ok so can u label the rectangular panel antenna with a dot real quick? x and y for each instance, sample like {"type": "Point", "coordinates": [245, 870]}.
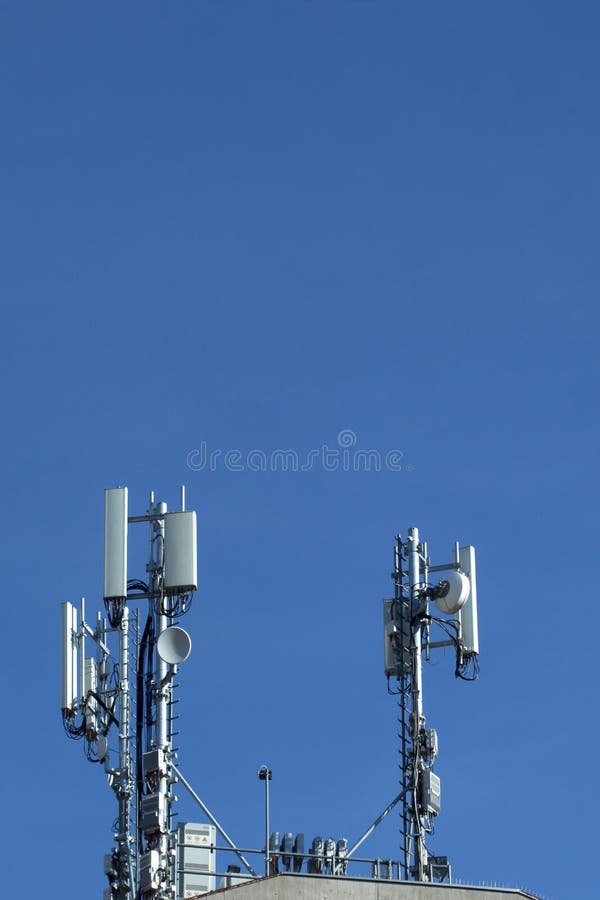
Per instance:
{"type": "Point", "coordinates": [69, 655]}
{"type": "Point", "coordinates": [467, 616]}
{"type": "Point", "coordinates": [397, 659]}
{"type": "Point", "coordinates": [181, 566]}
{"type": "Point", "coordinates": [115, 543]}
{"type": "Point", "coordinates": [90, 683]}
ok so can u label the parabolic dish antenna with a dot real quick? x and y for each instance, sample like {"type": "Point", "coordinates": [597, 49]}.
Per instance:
{"type": "Point", "coordinates": [452, 592]}
{"type": "Point", "coordinates": [102, 749]}
{"type": "Point", "coordinates": [174, 645]}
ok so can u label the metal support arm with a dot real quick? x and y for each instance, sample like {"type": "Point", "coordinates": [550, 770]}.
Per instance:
{"type": "Point", "coordinates": [374, 825]}
{"type": "Point", "coordinates": [208, 813]}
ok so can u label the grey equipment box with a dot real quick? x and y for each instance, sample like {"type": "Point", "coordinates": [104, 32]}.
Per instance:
{"type": "Point", "coordinates": [430, 793]}
{"type": "Point", "coordinates": [196, 859]}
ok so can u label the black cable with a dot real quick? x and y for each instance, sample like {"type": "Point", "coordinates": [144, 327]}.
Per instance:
{"type": "Point", "coordinates": [75, 732]}
{"type": "Point", "coordinates": [135, 584]}
{"type": "Point", "coordinates": [468, 669]}
{"type": "Point", "coordinates": [390, 691]}
{"type": "Point", "coordinates": [89, 753]}
{"type": "Point", "coordinates": [114, 610]}
{"type": "Point", "coordinates": [179, 607]}
{"type": "Point", "coordinates": [139, 706]}
{"type": "Point", "coordinates": [106, 709]}
{"type": "Point", "coordinates": [467, 666]}
{"type": "Point", "coordinates": [114, 677]}
{"type": "Point", "coordinates": [149, 676]}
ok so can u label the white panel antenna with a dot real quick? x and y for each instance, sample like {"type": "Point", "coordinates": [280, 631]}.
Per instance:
{"type": "Point", "coordinates": [390, 630]}
{"type": "Point", "coordinates": [69, 655]}
{"type": "Point", "coordinates": [467, 616]}
{"type": "Point", "coordinates": [115, 543]}
{"type": "Point", "coordinates": [181, 566]}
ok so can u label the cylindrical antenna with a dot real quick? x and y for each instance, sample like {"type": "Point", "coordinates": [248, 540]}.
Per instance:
{"type": "Point", "coordinates": [115, 543]}
{"type": "Point", "coordinates": [82, 648]}
{"type": "Point", "coordinates": [182, 497]}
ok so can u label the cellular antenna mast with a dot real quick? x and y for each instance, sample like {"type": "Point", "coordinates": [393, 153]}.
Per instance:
{"type": "Point", "coordinates": [408, 622]}
{"type": "Point", "coordinates": [125, 694]}
{"type": "Point", "coordinates": [119, 698]}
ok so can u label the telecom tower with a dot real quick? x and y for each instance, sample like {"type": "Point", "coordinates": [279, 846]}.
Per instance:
{"type": "Point", "coordinates": [126, 696]}
{"type": "Point", "coordinates": [119, 701]}
{"type": "Point", "coordinates": [408, 621]}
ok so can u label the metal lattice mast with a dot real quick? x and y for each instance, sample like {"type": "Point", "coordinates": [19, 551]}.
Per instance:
{"type": "Point", "coordinates": [408, 608]}
{"type": "Point", "coordinates": [124, 782]}
{"type": "Point", "coordinates": [417, 719]}
{"type": "Point", "coordinates": [401, 611]}
{"type": "Point", "coordinates": [162, 689]}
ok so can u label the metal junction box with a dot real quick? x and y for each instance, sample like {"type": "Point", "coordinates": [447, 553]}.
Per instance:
{"type": "Point", "coordinates": [152, 812]}
{"type": "Point", "coordinates": [149, 871]}
{"type": "Point", "coordinates": [154, 762]}
{"type": "Point", "coordinates": [430, 793]}
{"type": "Point", "coordinates": [396, 638]}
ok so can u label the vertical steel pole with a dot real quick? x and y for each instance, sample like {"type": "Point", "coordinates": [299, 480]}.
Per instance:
{"type": "Point", "coordinates": [264, 774]}
{"type": "Point", "coordinates": [138, 849]}
{"type": "Point", "coordinates": [162, 688]}
{"type": "Point", "coordinates": [125, 775]}
{"type": "Point", "coordinates": [414, 577]}
{"type": "Point", "coordinates": [267, 826]}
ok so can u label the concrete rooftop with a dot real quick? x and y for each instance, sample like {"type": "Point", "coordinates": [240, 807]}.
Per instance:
{"type": "Point", "coordinates": [319, 887]}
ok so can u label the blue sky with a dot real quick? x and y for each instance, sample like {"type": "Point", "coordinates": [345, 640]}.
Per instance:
{"type": "Point", "coordinates": [255, 225]}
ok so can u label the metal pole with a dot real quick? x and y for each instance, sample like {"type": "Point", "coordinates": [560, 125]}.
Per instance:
{"type": "Point", "coordinates": [264, 773]}
{"type": "Point", "coordinates": [267, 844]}
{"type": "Point", "coordinates": [267, 847]}
{"type": "Point", "coordinates": [162, 688]}
{"type": "Point", "coordinates": [125, 777]}
{"type": "Point", "coordinates": [374, 825]}
{"type": "Point", "coordinates": [208, 813]}
{"type": "Point", "coordinates": [414, 570]}
{"type": "Point", "coordinates": [136, 815]}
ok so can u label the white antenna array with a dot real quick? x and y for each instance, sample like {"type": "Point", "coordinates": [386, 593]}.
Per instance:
{"type": "Point", "coordinates": [96, 696]}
